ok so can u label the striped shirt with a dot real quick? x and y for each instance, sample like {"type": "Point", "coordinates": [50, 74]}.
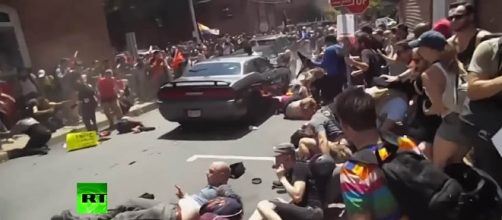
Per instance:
{"type": "Point", "coordinates": [364, 192]}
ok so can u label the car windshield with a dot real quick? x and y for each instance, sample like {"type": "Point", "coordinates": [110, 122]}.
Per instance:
{"type": "Point", "coordinates": [215, 69]}
{"type": "Point", "coordinates": [265, 42]}
{"type": "Point", "coordinates": [264, 50]}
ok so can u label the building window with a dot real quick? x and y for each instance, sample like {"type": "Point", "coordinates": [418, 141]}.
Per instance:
{"type": "Point", "coordinates": [13, 50]}
{"type": "Point", "coordinates": [4, 17]}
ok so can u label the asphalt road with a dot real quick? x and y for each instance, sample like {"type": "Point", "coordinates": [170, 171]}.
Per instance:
{"type": "Point", "coordinates": [35, 188]}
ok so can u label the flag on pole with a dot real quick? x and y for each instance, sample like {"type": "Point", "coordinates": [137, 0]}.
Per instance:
{"type": "Point", "coordinates": [206, 30]}
{"type": "Point", "coordinates": [73, 60]}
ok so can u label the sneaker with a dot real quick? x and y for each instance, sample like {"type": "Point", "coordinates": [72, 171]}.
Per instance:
{"type": "Point", "coordinates": [277, 184]}
{"type": "Point", "coordinates": [147, 196]}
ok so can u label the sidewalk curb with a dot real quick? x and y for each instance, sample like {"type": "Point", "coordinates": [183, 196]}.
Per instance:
{"type": "Point", "coordinates": [101, 124]}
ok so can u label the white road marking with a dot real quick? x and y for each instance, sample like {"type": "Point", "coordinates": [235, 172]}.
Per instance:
{"type": "Point", "coordinates": [228, 157]}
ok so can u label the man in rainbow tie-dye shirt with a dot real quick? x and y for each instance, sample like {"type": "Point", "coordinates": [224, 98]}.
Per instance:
{"type": "Point", "coordinates": [363, 184]}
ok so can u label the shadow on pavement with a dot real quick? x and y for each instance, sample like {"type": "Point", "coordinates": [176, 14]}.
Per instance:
{"type": "Point", "coordinates": [222, 131]}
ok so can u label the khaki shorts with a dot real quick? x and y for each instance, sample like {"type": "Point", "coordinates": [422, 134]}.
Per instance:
{"type": "Point", "coordinates": [451, 130]}
{"type": "Point", "coordinates": [112, 108]}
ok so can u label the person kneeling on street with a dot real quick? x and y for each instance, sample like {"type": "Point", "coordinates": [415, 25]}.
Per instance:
{"type": "Point", "coordinates": [39, 135]}
{"type": "Point", "coordinates": [322, 134]}
{"type": "Point", "coordinates": [299, 183]}
{"type": "Point", "coordinates": [126, 125]}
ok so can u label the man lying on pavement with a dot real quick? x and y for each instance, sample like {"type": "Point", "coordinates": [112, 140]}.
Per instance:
{"type": "Point", "coordinates": [140, 208]}
{"type": "Point", "coordinates": [187, 207]}
{"type": "Point", "coordinates": [217, 184]}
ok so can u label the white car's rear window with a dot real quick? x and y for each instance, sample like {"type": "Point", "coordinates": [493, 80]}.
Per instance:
{"type": "Point", "coordinates": [215, 69]}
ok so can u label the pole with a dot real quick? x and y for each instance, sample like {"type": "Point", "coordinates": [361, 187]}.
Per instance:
{"type": "Point", "coordinates": [346, 50]}
{"type": "Point", "coordinates": [194, 21]}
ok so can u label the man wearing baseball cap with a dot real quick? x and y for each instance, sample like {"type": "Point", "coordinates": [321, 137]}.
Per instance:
{"type": "Point", "coordinates": [447, 95]}
{"type": "Point", "coordinates": [299, 183]}
{"type": "Point", "coordinates": [430, 39]}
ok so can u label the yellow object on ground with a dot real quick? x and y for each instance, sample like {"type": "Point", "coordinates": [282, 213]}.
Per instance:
{"type": "Point", "coordinates": [80, 140]}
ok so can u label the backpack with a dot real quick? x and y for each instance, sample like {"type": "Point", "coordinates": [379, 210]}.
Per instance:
{"type": "Point", "coordinates": [435, 194]}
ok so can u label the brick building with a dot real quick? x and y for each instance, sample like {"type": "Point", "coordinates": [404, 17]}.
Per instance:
{"type": "Point", "coordinates": [416, 11]}
{"type": "Point", "coordinates": [161, 22]}
{"type": "Point", "coordinates": [253, 15]}
{"type": "Point", "coordinates": [37, 33]}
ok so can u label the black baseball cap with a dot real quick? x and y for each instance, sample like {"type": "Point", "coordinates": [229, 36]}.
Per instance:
{"type": "Point", "coordinates": [430, 39]}
{"type": "Point", "coordinates": [283, 149]}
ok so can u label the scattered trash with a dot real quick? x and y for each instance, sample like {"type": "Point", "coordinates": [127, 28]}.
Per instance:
{"type": "Point", "coordinates": [256, 181]}
{"type": "Point", "coordinates": [252, 128]}
{"type": "Point", "coordinates": [237, 170]}
{"type": "Point", "coordinates": [132, 162]}
{"type": "Point", "coordinates": [80, 140]}
{"type": "Point", "coordinates": [147, 196]}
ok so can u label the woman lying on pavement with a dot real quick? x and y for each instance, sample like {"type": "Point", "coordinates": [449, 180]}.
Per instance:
{"type": "Point", "coordinates": [39, 135]}
{"type": "Point", "coordinates": [126, 125]}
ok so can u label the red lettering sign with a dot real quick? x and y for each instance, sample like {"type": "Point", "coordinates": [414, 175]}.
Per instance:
{"type": "Point", "coordinates": [359, 6]}
{"type": "Point", "coordinates": [340, 3]}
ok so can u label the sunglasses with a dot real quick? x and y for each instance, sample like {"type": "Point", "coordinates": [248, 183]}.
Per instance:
{"type": "Point", "coordinates": [456, 17]}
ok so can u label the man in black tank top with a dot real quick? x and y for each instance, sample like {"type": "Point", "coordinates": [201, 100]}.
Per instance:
{"type": "Point", "coordinates": [467, 35]}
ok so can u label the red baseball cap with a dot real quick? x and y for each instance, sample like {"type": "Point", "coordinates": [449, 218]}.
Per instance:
{"type": "Point", "coordinates": [443, 26]}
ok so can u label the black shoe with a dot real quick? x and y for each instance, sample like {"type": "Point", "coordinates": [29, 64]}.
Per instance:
{"type": "Point", "coordinates": [277, 185]}
{"type": "Point", "coordinates": [147, 196]}
{"type": "Point", "coordinates": [41, 151]}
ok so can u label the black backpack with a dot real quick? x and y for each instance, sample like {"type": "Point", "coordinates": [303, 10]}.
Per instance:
{"type": "Point", "coordinates": [426, 192]}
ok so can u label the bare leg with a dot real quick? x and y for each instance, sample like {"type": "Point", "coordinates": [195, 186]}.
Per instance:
{"type": "Point", "coordinates": [266, 210]}
{"type": "Point", "coordinates": [108, 113]}
{"type": "Point", "coordinates": [307, 147]}
{"type": "Point", "coordinates": [446, 152]}
{"type": "Point", "coordinates": [256, 215]}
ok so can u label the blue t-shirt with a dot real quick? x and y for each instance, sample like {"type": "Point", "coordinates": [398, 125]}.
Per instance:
{"type": "Point", "coordinates": [333, 61]}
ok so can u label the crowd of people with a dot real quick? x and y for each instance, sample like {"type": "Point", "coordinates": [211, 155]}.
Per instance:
{"type": "Point", "coordinates": [414, 135]}
{"type": "Point", "coordinates": [438, 86]}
